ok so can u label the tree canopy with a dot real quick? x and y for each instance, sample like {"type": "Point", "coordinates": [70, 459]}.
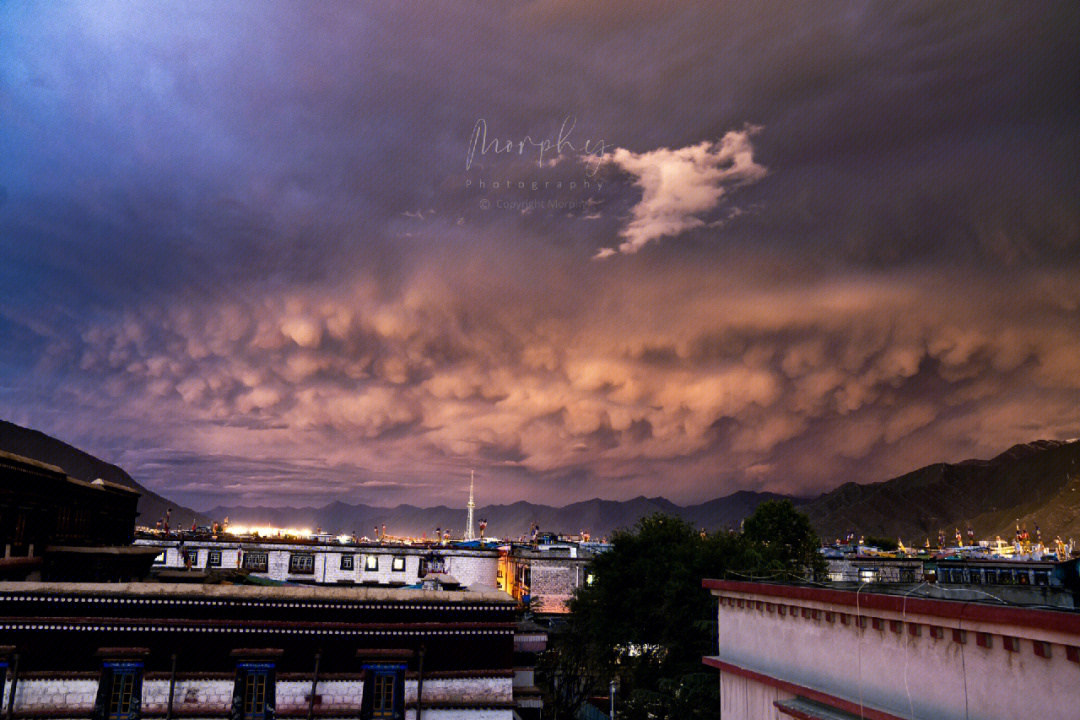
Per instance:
{"type": "Point", "coordinates": [647, 621]}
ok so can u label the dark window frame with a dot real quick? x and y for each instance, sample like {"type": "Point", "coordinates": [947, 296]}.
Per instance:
{"type": "Point", "coordinates": [371, 563]}
{"type": "Point", "coordinates": [398, 559]}
{"type": "Point", "coordinates": [348, 562]}
{"type": "Point", "coordinates": [384, 692]}
{"type": "Point", "coordinates": [250, 561]}
{"type": "Point", "coordinates": [213, 558]}
{"type": "Point", "coordinates": [305, 566]}
{"type": "Point", "coordinates": [119, 695]}
{"type": "Point", "coordinates": [254, 691]}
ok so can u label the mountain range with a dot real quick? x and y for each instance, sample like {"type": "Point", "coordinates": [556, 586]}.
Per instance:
{"type": "Point", "coordinates": [1033, 484]}
{"type": "Point", "coordinates": [599, 517]}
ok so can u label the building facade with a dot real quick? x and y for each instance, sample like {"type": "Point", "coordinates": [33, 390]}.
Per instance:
{"type": "Point", "coordinates": [128, 651]}
{"type": "Point", "coordinates": [787, 651]}
{"type": "Point", "coordinates": [330, 563]}
{"type": "Point", "coordinates": [544, 576]}
{"type": "Point", "coordinates": [55, 527]}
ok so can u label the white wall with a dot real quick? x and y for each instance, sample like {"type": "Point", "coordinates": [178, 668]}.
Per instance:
{"type": "Point", "coordinates": [846, 661]}
{"type": "Point", "coordinates": [191, 696]}
{"type": "Point", "coordinates": [744, 699]}
{"type": "Point", "coordinates": [62, 695]}
{"type": "Point", "coordinates": [468, 568]}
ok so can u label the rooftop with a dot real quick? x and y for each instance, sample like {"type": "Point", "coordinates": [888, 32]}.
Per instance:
{"type": "Point", "coordinates": [253, 592]}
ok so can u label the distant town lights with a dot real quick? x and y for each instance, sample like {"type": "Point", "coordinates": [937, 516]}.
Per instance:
{"type": "Point", "coordinates": [268, 531]}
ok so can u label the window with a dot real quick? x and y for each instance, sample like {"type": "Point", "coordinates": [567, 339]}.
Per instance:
{"type": "Point", "coordinates": [161, 557]}
{"type": "Point", "coordinates": [253, 695]}
{"type": "Point", "coordinates": [371, 563]}
{"type": "Point", "coordinates": [213, 558]}
{"type": "Point", "coordinates": [302, 563]}
{"type": "Point", "coordinates": [434, 563]}
{"type": "Point", "coordinates": [383, 704]}
{"type": "Point", "coordinates": [347, 562]}
{"type": "Point", "coordinates": [398, 564]}
{"type": "Point", "coordinates": [255, 561]}
{"type": "Point", "coordinates": [384, 691]}
{"type": "Point", "coordinates": [120, 691]}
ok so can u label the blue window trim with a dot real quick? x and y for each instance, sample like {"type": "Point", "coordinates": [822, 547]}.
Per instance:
{"type": "Point", "coordinates": [396, 671]}
{"type": "Point", "coordinates": [121, 669]}
{"type": "Point", "coordinates": [266, 669]}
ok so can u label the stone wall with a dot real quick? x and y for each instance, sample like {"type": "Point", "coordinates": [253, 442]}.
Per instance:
{"type": "Point", "coordinates": [295, 694]}
{"type": "Point", "coordinates": [189, 696]}
{"type": "Point", "coordinates": [553, 581]}
{"type": "Point", "coordinates": [453, 714]}
{"type": "Point", "coordinates": [462, 689]}
{"type": "Point", "coordinates": [474, 569]}
{"type": "Point", "coordinates": [76, 696]}
{"type": "Point", "coordinates": [204, 696]}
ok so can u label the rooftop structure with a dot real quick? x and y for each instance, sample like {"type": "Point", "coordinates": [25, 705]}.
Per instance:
{"type": "Point", "coordinates": [131, 650]}
{"type": "Point", "coordinates": [1012, 581]}
{"type": "Point", "coordinates": [798, 651]}
{"type": "Point", "coordinates": [313, 563]}
{"type": "Point", "coordinates": [544, 576]}
{"type": "Point", "coordinates": [56, 527]}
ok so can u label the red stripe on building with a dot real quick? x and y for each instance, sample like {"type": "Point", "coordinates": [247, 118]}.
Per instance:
{"type": "Point", "coordinates": [1050, 620]}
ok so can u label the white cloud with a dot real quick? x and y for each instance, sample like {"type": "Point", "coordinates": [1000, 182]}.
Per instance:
{"type": "Point", "coordinates": [678, 186]}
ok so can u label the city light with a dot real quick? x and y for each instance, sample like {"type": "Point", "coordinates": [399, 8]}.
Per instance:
{"type": "Point", "coordinates": [268, 531]}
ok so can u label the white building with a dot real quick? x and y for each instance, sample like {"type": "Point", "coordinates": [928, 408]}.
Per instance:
{"type": "Point", "coordinates": [332, 563]}
{"type": "Point", "coordinates": [789, 651]}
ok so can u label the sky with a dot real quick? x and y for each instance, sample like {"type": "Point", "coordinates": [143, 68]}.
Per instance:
{"type": "Point", "coordinates": [292, 253]}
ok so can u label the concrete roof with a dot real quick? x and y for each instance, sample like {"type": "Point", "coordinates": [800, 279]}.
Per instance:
{"type": "Point", "coordinates": [30, 461]}
{"type": "Point", "coordinates": [98, 484]}
{"type": "Point", "coordinates": [256, 592]}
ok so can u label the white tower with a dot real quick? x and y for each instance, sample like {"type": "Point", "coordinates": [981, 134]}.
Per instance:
{"type": "Point", "coordinates": [472, 505]}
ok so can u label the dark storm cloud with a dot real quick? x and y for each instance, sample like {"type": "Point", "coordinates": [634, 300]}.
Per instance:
{"type": "Point", "coordinates": [242, 241]}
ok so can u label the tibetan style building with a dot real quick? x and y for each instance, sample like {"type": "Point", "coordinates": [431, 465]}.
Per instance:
{"type": "Point", "coordinates": [54, 527]}
{"type": "Point", "coordinates": [157, 650]}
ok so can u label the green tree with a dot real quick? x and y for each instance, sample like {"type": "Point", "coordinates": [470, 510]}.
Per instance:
{"type": "Point", "coordinates": [783, 541]}
{"type": "Point", "coordinates": [646, 616]}
{"type": "Point", "coordinates": [647, 621]}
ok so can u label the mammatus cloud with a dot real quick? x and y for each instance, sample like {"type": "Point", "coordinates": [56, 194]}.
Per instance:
{"type": "Point", "coordinates": [326, 392]}
{"type": "Point", "coordinates": [679, 186]}
{"type": "Point", "coordinates": [257, 277]}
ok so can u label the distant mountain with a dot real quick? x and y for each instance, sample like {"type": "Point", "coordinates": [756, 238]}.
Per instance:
{"type": "Point", "coordinates": [83, 466]}
{"type": "Point", "coordinates": [1033, 483]}
{"type": "Point", "coordinates": [1036, 483]}
{"type": "Point", "coordinates": [600, 517]}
